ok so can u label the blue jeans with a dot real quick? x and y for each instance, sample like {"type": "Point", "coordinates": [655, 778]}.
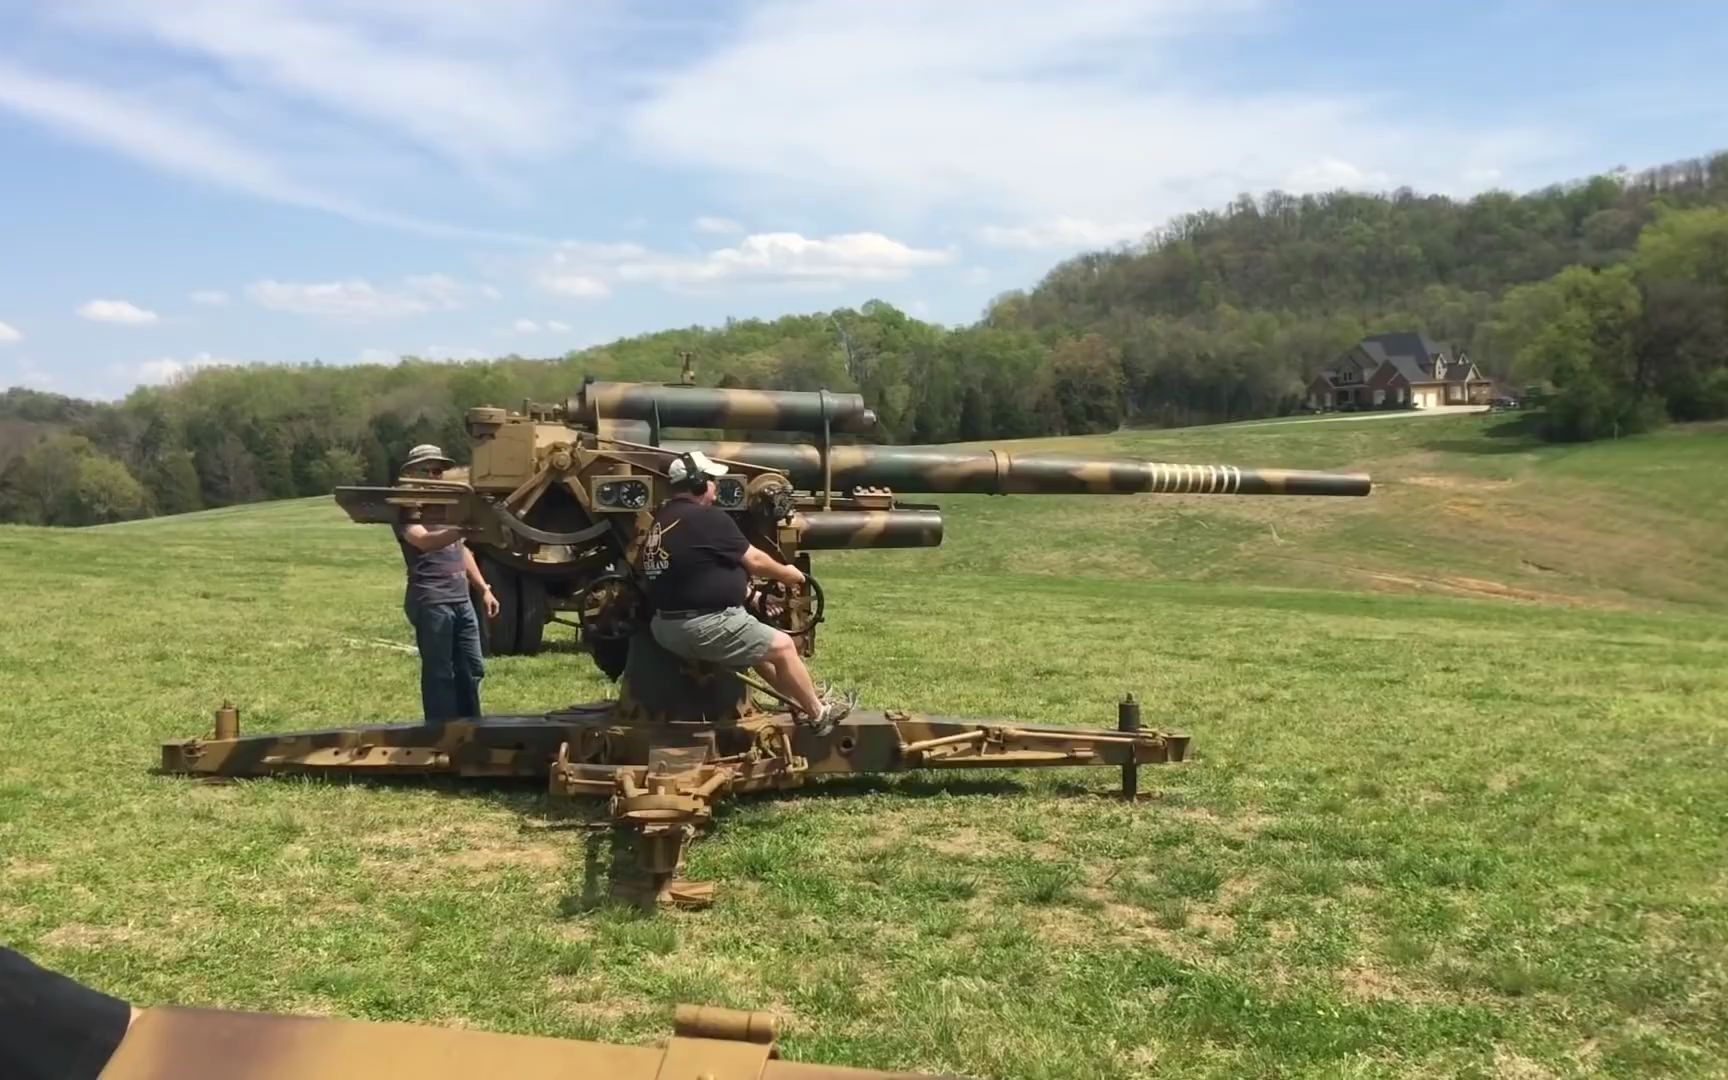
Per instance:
{"type": "Point", "coordinates": [448, 636]}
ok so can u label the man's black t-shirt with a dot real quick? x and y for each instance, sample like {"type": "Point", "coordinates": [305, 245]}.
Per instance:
{"type": "Point", "coordinates": [692, 558]}
{"type": "Point", "coordinates": [52, 1028]}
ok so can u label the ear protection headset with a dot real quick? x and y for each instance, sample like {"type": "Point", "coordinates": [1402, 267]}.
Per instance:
{"type": "Point", "coordinates": [695, 480]}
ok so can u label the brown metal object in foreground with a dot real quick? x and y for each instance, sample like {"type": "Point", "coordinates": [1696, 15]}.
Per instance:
{"type": "Point", "coordinates": [664, 758]}
{"type": "Point", "coordinates": [557, 495]}
{"type": "Point", "coordinates": [213, 1044]}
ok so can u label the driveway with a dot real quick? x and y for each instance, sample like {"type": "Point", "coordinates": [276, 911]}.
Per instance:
{"type": "Point", "coordinates": [1392, 414]}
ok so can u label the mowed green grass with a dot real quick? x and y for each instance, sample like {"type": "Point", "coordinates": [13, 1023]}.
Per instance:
{"type": "Point", "coordinates": [1456, 802]}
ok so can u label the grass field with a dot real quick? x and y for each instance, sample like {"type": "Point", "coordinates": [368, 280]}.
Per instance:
{"type": "Point", "coordinates": [1456, 803]}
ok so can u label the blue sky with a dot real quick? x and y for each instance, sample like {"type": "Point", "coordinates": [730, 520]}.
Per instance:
{"type": "Point", "coordinates": [186, 182]}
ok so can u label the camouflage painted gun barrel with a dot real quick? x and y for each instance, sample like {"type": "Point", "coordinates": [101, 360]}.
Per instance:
{"type": "Point", "coordinates": [558, 501]}
{"type": "Point", "coordinates": [826, 530]}
{"type": "Point", "coordinates": [997, 472]}
{"type": "Point", "coordinates": [698, 407]}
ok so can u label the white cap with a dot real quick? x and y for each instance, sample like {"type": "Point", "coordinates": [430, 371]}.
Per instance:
{"type": "Point", "coordinates": [679, 472]}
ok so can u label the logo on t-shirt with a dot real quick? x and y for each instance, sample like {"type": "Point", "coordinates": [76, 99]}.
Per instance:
{"type": "Point", "coordinates": [655, 557]}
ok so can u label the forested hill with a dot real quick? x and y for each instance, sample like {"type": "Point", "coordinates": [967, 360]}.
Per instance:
{"type": "Point", "coordinates": [1355, 253]}
{"type": "Point", "coordinates": [1614, 290]}
{"type": "Point", "coordinates": [1217, 311]}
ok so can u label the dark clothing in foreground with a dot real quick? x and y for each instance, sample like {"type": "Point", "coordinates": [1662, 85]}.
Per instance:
{"type": "Point", "coordinates": [446, 631]}
{"type": "Point", "coordinates": [694, 558]}
{"type": "Point", "coordinates": [52, 1028]}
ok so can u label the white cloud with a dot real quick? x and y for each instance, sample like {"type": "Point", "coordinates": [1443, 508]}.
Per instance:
{"type": "Point", "coordinates": [159, 371]}
{"type": "Point", "coordinates": [1064, 233]}
{"type": "Point", "coordinates": [452, 353]}
{"type": "Point", "coordinates": [9, 335]}
{"type": "Point", "coordinates": [171, 138]}
{"type": "Point", "coordinates": [789, 257]}
{"type": "Point", "coordinates": [530, 326]}
{"type": "Point", "coordinates": [1014, 114]}
{"type": "Point", "coordinates": [1329, 173]}
{"type": "Point", "coordinates": [167, 369]}
{"type": "Point", "coordinates": [1060, 122]}
{"type": "Point", "coordinates": [121, 123]}
{"type": "Point", "coordinates": [466, 83]}
{"type": "Point", "coordinates": [212, 297]}
{"type": "Point", "coordinates": [581, 286]}
{"type": "Point", "coordinates": [438, 290]}
{"type": "Point", "coordinates": [163, 369]}
{"type": "Point", "coordinates": [358, 298]}
{"type": "Point", "coordinates": [719, 225]}
{"type": "Point", "coordinates": [780, 258]}
{"type": "Point", "coordinates": [28, 373]}
{"type": "Point", "coordinates": [116, 311]}
{"type": "Point", "coordinates": [392, 357]}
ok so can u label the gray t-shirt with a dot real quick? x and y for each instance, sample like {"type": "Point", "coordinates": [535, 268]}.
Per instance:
{"type": "Point", "coordinates": [434, 577]}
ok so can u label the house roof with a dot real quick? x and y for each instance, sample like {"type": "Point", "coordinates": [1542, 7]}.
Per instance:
{"type": "Point", "coordinates": [1416, 345]}
{"type": "Point", "coordinates": [1412, 372]}
{"type": "Point", "coordinates": [1410, 353]}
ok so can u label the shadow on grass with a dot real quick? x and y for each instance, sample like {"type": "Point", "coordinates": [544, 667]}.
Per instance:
{"type": "Point", "coordinates": [1514, 435]}
{"type": "Point", "coordinates": [609, 853]}
{"type": "Point", "coordinates": [915, 785]}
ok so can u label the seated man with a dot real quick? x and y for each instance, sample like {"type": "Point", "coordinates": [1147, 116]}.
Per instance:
{"type": "Point", "coordinates": [699, 563]}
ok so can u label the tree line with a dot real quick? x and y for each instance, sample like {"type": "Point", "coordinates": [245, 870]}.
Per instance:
{"type": "Point", "coordinates": [1612, 292]}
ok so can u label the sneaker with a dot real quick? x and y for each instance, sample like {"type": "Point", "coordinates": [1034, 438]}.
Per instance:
{"type": "Point", "coordinates": [836, 706]}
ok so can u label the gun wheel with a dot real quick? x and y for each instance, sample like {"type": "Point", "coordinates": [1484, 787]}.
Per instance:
{"type": "Point", "coordinates": [519, 628]}
{"type": "Point", "coordinates": [795, 610]}
{"type": "Point", "coordinates": [611, 607]}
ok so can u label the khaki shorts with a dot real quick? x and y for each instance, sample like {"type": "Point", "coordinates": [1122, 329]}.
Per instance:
{"type": "Point", "coordinates": [731, 638]}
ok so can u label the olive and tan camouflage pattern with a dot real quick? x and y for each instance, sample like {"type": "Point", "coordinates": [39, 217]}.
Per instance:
{"type": "Point", "coordinates": [720, 409]}
{"type": "Point", "coordinates": [997, 472]}
{"type": "Point", "coordinates": [837, 530]}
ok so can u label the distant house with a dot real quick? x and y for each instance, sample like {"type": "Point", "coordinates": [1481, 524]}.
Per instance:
{"type": "Point", "coordinates": [1399, 370]}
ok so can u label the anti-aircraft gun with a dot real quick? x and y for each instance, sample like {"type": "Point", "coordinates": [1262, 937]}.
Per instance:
{"type": "Point", "coordinates": [559, 487]}
{"type": "Point", "coordinates": [558, 500]}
